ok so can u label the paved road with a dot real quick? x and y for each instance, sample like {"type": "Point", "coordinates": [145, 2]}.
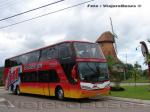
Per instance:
{"type": "Point", "coordinates": [34, 103]}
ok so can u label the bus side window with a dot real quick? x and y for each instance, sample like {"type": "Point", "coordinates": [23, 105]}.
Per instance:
{"type": "Point", "coordinates": [29, 77]}
{"type": "Point", "coordinates": [48, 76]}
{"type": "Point", "coordinates": [43, 76]}
{"type": "Point", "coordinates": [24, 59]}
{"type": "Point", "coordinates": [52, 53]}
{"type": "Point", "coordinates": [43, 54]}
{"type": "Point", "coordinates": [49, 53]}
{"type": "Point", "coordinates": [13, 62]}
{"type": "Point", "coordinates": [22, 77]}
{"type": "Point", "coordinates": [33, 57]}
{"type": "Point", "coordinates": [65, 51]}
{"type": "Point", "coordinates": [7, 63]}
{"type": "Point", "coordinates": [54, 76]}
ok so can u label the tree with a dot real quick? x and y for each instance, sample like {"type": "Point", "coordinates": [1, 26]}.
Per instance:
{"type": "Point", "coordinates": [129, 66]}
{"type": "Point", "coordinates": [145, 73]}
{"type": "Point", "coordinates": [110, 62]}
{"type": "Point", "coordinates": [114, 75]}
{"type": "Point", "coordinates": [137, 72]}
{"type": "Point", "coordinates": [128, 70]}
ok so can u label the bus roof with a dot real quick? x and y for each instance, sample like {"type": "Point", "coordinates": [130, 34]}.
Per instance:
{"type": "Point", "coordinates": [71, 41]}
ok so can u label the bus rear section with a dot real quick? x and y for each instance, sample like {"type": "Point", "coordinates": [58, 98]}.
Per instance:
{"type": "Point", "coordinates": [69, 69]}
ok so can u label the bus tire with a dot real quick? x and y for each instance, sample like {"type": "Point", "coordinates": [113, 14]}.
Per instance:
{"type": "Point", "coordinates": [60, 93]}
{"type": "Point", "coordinates": [17, 90]}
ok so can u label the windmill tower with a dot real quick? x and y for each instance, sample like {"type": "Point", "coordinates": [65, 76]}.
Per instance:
{"type": "Point", "coordinates": [108, 44]}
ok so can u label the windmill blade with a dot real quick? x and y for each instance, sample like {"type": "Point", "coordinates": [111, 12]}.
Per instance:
{"type": "Point", "coordinates": [115, 45]}
{"type": "Point", "coordinates": [113, 28]}
{"type": "Point", "coordinates": [114, 35]}
{"type": "Point", "coordinates": [111, 25]}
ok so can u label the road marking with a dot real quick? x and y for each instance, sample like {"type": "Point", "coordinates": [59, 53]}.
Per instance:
{"type": "Point", "coordinates": [2, 99]}
{"type": "Point", "coordinates": [10, 104]}
{"type": "Point", "coordinates": [6, 103]}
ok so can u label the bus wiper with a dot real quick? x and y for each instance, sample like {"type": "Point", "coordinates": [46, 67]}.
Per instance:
{"type": "Point", "coordinates": [91, 68]}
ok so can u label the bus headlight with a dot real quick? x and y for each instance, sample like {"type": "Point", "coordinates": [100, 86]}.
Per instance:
{"type": "Point", "coordinates": [85, 87]}
{"type": "Point", "coordinates": [107, 86]}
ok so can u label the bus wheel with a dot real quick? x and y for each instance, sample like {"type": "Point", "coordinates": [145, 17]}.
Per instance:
{"type": "Point", "coordinates": [60, 94]}
{"type": "Point", "coordinates": [17, 91]}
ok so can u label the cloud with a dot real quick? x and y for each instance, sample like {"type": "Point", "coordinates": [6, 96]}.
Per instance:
{"type": "Point", "coordinates": [48, 40]}
{"type": "Point", "coordinates": [79, 23]}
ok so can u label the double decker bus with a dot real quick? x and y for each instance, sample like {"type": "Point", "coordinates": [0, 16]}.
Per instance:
{"type": "Point", "coordinates": [71, 69]}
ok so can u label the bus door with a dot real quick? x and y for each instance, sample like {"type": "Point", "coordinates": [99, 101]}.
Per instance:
{"type": "Point", "coordinates": [53, 81]}
{"type": "Point", "coordinates": [35, 86]}
{"type": "Point", "coordinates": [43, 77]}
{"type": "Point", "coordinates": [46, 89]}
{"type": "Point", "coordinates": [48, 79]}
{"type": "Point", "coordinates": [74, 81]}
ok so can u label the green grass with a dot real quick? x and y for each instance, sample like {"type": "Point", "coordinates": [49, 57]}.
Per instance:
{"type": "Point", "coordinates": [137, 81]}
{"type": "Point", "coordinates": [138, 92]}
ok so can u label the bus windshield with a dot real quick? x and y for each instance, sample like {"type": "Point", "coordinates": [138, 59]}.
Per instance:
{"type": "Point", "coordinates": [88, 50]}
{"type": "Point", "coordinates": [93, 71]}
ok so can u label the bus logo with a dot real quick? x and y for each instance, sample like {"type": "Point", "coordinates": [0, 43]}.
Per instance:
{"type": "Point", "coordinates": [95, 86]}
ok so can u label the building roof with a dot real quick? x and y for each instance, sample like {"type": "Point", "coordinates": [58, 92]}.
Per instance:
{"type": "Point", "coordinates": [106, 37]}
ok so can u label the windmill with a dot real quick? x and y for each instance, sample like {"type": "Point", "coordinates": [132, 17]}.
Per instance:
{"type": "Point", "coordinates": [114, 35]}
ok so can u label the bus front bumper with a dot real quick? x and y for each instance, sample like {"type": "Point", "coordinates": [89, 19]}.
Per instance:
{"type": "Point", "coordinates": [93, 93]}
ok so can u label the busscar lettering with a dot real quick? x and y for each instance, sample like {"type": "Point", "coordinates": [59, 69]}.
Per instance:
{"type": "Point", "coordinates": [53, 64]}
{"type": "Point", "coordinates": [32, 66]}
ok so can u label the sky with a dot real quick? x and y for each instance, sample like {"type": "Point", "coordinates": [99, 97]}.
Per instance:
{"type": "Point", "coordinates": [131, 25]}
